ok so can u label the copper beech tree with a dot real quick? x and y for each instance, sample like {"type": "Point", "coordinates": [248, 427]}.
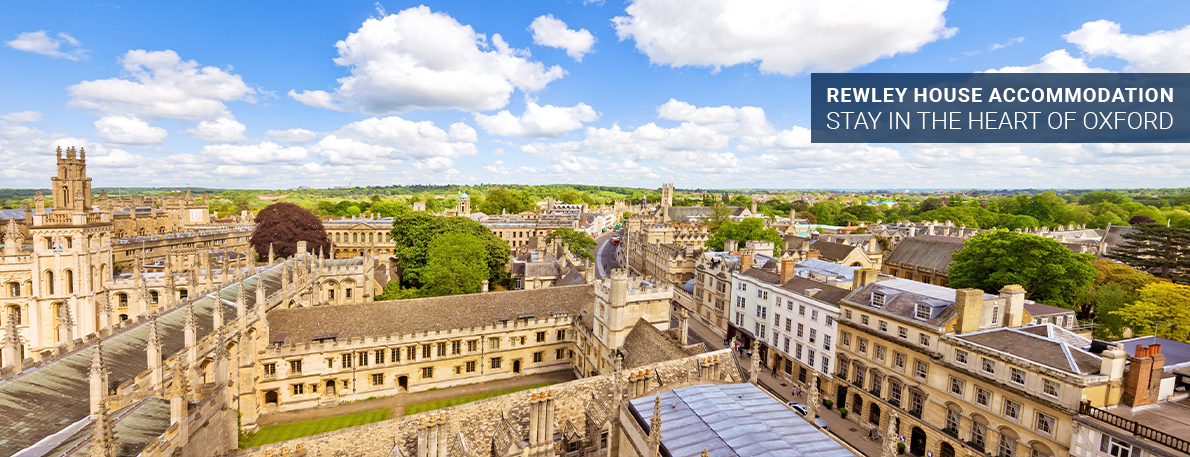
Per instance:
{"type": "Point", "coordinates": [284, 224]}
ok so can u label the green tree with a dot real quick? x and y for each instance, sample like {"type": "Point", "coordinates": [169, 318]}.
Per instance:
{"type": "Point", "coordinates": [1163, 304]}
{"type": "Point", "coordinates": [1049, 272]}
{"type": "Point", "coordinates": [748, 229]}
{"type": "Point", "coordinates": [1091, 198]}
{"type": "Point", "coordinates": [501, 200]}
{"type": "Point", "coordinates": [394, 291]}
{"type": "Point", "coordinates": [930, 204]}
{"type": "Point", "coordinates": [414, 231]}
{"type": "Point", "coordinates": [456, 264]}
{"type": "Point", "coordinates": [577, 242]}
{"type": "Point", "coordinates": [720, 215]}
{"type": "Point", "coordinates": [571, 197]}
{"type": "Point", "coordinates": [1160, 250]}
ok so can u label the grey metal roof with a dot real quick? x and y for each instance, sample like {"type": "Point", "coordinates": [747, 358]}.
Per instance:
{"type": "Point", "coordinates": [1177, 353]}
{"type": "Point", "coordinates": [733, 420]}
{"type": "Point", "coordinates": [823, 267]}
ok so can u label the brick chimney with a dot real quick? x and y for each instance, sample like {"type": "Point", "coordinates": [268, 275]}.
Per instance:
{"type": "Point", "coordinates": [812, 255]}
{"type": "Point", "coordinates": [969, 306]}
{"type": "Point", "coordinates": [746, 259]}
{"type": "Point", "coordinates": [1142, 379]}
{"type": "Point", "coordinates": [787, 267]}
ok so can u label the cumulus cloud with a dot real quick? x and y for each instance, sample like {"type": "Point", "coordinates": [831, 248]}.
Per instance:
{"type": "Point", "coordinates": [537, 121]}
{"type": "Point", "coordinates": [262, 153]}
{"type": "Point", "coordinates": [421, 59]}
{"type": "Point", "coordinates": [787, 37]}
{"type": "Point", "coordinates": [292, 136]}
{"type": "Point", "coordinates": [1157, 52]}
{"type": "Point", "coordinates": [417, 139]}
{"type": "Point", "coordinates": [347, 151]}
{"type": "Point", "coordinates": [997, 46]}
{"type": "Point", "coordinates": [434, 164]}
{"type": "Point", "coordinates": [552, 32]}
{"type": "Point", "coordinates": [22, 116]}
{"type": "Point", "coordinates": [128, 130]}
{"type": "Point", "coordinates": [1058, 61]}
{"type": "Point", "coordinates": [40, 42]}
{"type": "Point", "coordinates": [160, 84]}
{"type": "Point", "coordinates": [221, 130]}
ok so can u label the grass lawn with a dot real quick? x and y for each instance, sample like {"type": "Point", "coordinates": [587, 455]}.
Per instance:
{"type": "Point", "coordinates": [283, 432]}
{"type": "Point", "coordinates": [436, 404]}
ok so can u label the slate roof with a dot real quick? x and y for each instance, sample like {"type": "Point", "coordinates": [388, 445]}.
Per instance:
{"type": "Point", "coordinates": [833, 251]}
{"type": "Point", "coordinates": [762, 275]}
{"type": "Point", "coordinates": [537, 269]}
{"type": "Point", "coordinates": [926, 251]}
{"type": "Point", "coordinates": [732, 420]}
{"type": "Point", "coordinates": [826, 292]}
{"type": "Point", "coordinates": [902, 296]}
{"type": "Point", "coordinates": [571, 278]}
{"type": "Point", "coordinates": [682, 213]}
{"type": "Point", "coordinates": [645, 345]}
{"type": "Point", "coordinates": [823, 267]}
{"type": "Point", "coordinates": [1039, 310]}
{"type": "Point", "coordinates": [428, 314]}
{"type": "Point", "coordinates": [1028, 345]}
{"type": "Point", "coordinates": [1058, 333]}
{"type": "Point", "coordinates": [1177, 353]}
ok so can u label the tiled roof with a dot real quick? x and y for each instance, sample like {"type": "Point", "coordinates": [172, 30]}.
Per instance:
{"type": "Point", "coordinates": [926, 251]}
{"type": "Point", "coordinates": [762, 275]}
{"type": "Point", "coordinates": [902, 297]}
{"type": "Point", "coordinates": [1047, 351]}
{"type": "Point", "coordinates": [428, 314]}
{"type": "Point", "coordinates": [1038, 310]}
{"type": "Point", "coordinates": [832, 251]}
{"type": "Point", "coordinates": [645, 345]}
{"type": "Point", "coordinates": [826, 292]}
{"type": "Point", "coordinates": [135, 425]}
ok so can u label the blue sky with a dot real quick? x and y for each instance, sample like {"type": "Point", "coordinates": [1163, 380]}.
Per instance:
{"type": "Point", "coordinates": [702, 93]}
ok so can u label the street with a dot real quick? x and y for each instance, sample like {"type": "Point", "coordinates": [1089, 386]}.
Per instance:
{"type": "Point", "coordinates": [605, 253]}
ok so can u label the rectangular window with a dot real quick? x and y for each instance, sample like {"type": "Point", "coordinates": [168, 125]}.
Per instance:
{"type": "Point", "coordinates": [916, 401]}
{"type": "Point", "coordinates": [739, 319]}
{"type": "Point", "coordinates": [862, 345]}
{"type": "Point", "coordinates": [496, 362]}
{"type": "Point", "coordinates": [801, 310]}
{"type": "Point", "coordinates": [846, 339]}
{"type": "Point", "coordinates": [494, 343]}
{"type": "Point", "coordinates": [1018, 376]}
{"type": "Point", "coordinates": [456, 347]}
{"type": "Point", "coordinates": [295, 367]}
{"type": "Point", "coordinates": [899, 360]}
{"type": "Point", "coordinates": [894, 392]}
{"type": "Point", "coordinates": [561, 335]}
{"type": "Point", "coordinates": [883, 326]}
{"type": "Point", "coordinates": [879, 352]}
{"type": "Point", "coordinates": [983, 397]}
{"type": "Point", "coordinates": [1012, 409]}
{"type": "Point", "coordinates": [348, 361]}
{"type": "Point", "coordinates": [777, 319]}
{"type": "Point", "coordinates": [426, 350]}
{"type": "Point", "coordinates": [378, 379]}
{"type": "Point", "coordinates": [472, 345]}
{"type": "Point", "coordinates": [830, 321]}
{"type": "Point", "coordinates": [776, 339]}
{"type": "Point", "coordinates": [1115, 447]}
{"type": "Point", "coordinates": [540, 337]}
{"type": "Point", "coordinates": [411, 353]}
{"type": "Point", "coordinates": [798, 353]}
{"type": "Point", "coordinates": [785, 347]}
{"type": "Point", "coordinates": [788, 324]}
{"type": "Point", "coordinates": [863, 319]}
{"type": "Point", "coordinates": [1007, 447]}
{"type": "Point", "coordinates": [442, 349]}
{"type": "Point", "coordinates": [813, 336]}
{"type": "Point", "coordinates": [960, 356]}
{"type": "Point", "coordinates": [363, 359]}
{"type": "Point", "coordinates": [739, 302]}
{"type": "Point", "coordinates": [538, 357]}
{"type": "Point", "coordinates": [826, 363]}
{"type": "Point", "coordinates": [470, 366]}
{"type": "Point", "coordinates": [810, 357]}
{"type": "Point", "coordinates": [760, 328]}
{"type": "Point", "coordinates": [920, 369]}
{"type": "Point", "coordinates": [270, 370]}
{"type": "Point", "coordinates": [826, 342]}
{"type": "Point", "coordinates": [559, 354]}
{"type": "Point", "coordinates": [396, 353]}
{"type": "Point", "coordinates": [1050, 388]}
{"type": "Point", "coordinates": [380, 357]}
{"type": "Point", "coordinates": [847, 314]}
{"type": "Point", "coordinates": [762, 311]}
{"type": "Point", "coordinates": [988, 366]}
{"type": "Point", "coordinates": [814, 315]}
{"type": "Point", "coordinates": [922, 312]}
{"type": "Point", "coordinates": [923, 339]}
{"type": "Point", "coordinates": [1046, 423]}
{"type": "Point", "coordinates": [903, 332]}
{"type": "Point", "coordinates": [427, 372]}
{"type": "Point", "coordinates": [298, 389]}
{"type": "Point", "coordinates": [956, 386]}
{"type": "Point", "coordinates": [801, 329]}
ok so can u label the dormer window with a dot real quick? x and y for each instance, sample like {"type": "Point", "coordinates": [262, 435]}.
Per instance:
{"type": "Point", "coordinates": [878, 299]}
{"type": "Point", "coordinates": [922, 312]}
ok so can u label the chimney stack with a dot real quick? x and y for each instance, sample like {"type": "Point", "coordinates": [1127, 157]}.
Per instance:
{"type": "Point", "coordinates": [788, 263]}
{"type": "Point", "coordinates": [862, 277]}
{"type": "Point", "coordinates": [969, 306]}
{"type": "Point", "coordinates": [1142, 379]}
{"type": "Point", "coordinates": [1014, 297]}
{"type": "Point", "coordinates": [730, 245]}
{"type": "Point", "coordinates": [746, 259]}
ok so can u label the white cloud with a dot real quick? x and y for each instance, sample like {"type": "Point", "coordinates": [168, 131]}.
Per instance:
{"type": "Point", "coordinates": [162, 85]}
{"type": "Point", "coordinates": [552, 32]}
{"type": "Point", "coordinates": [421, 59]}
{"type": "Point", "coordinates": [236, 170]}
{"type": "Point", "coordinates": [40, 42]}
{"type": "Point", "coordinates": [128, 130]}
{"type": "Point", "coordinates": [537, 121]}
{"type": "Point", "coordinates": [267, 152]}
{"type": "Point", "coordinates": [292, 136]}
{"type": "Point", "coordinates": [23, 116]}
{"type": "Point", "coordinates": [434, 164]}
{"type": "Point", "coordinates": [347, 151]}
{"type": "Point", "coordinates": [1058, 61]}
{"type": "Point", "coordinates": [417, 139]}
{"type": "Point", "coordinates": [221, 130]}
{"type": "Point", "coordinates": [788, 37]}
{"type": "Point", "coordinates": [498, 152]}
{"type": "Point", "coordinates": [1158, 52]}
{"type": "Point", "coordinates": [1006, 44]}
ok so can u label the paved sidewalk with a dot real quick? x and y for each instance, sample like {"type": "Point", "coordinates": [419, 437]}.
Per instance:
{"type": "Point", "coordinates": [851, 432]}
{"type": "Point", "coordinates": [398, 402]}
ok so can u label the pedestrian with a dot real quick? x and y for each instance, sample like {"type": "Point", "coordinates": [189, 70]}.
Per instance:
{"type": "Point", "coordinates": [774, 370]}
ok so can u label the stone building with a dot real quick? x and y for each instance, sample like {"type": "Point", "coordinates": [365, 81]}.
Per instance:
{"type": "Point", "coordinates": [924, 258]}
{"type": "Point", "coordinates": [518, 229]}
{"type": "Point", "coordinates": [353, 237]}
{"type": "Point", "coordinates": [966, 373]}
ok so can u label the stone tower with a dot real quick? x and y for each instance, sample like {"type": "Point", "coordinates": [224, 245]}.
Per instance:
{"type": "Point", "coordinates": [464, 204]}
{"type": "Point", "coordinates": [667, 195]}
{"type": "Point", "coordinates": [72, 182]}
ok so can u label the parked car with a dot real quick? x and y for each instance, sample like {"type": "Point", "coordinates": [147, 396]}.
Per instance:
{"type": "Point", "coordinates": [801, 409]}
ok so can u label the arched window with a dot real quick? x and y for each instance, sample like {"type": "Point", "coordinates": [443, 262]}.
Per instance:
{"type": "Point", "coordinates": [14, 312]}
{"type": "Point", "coordinates": [337, 237]}
{"type": "Point", "coordinates": [49, 281]}
{"type": "Point", "coordinates": [14, 289]}
{"type": "Point", "coordinates": [354, 237]}
{"type": "Point", "coordinates": [370, 237]}
{"type": "Point", "coordinates": [69, 281]}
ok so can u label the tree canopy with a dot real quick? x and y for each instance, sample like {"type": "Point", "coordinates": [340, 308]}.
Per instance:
{"type": "Point", "coordinates": [1049, 272]}
{"type": "Point", "coordinates": [284, 224]}
{"type": "Point", "coordinates": [500, 200]}
{"type": "Point", "coordinates": [748, 229]}
{"type": "Point", "coordinates": [1116, 285]}
{"type": "Point", "coordinates": [415, 231]}
{"type": "Point", "coordinates": [577, 242]}
{"type": "Point", "coordinates": [456, 263]}
{"type": "Point", "coordinates": [1163, 308]}
{"type": "Point", "coordinates": [1160, 250]}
